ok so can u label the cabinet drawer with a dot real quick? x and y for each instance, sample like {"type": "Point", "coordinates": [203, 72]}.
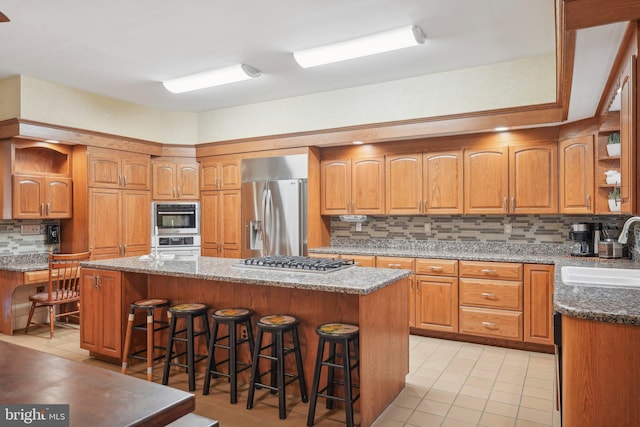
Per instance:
{"type": "Point", "coordinates": [490, 322]}
{"type": "Point", "coordinates": [491, 270]}
{"type": "Point", "coordinates": [39, 276]}
{"type": "Point", "coordinates": [437, 267]}
{"type": "Point", "coordinates": [395, 262]}
{"type": "Point", "coordinates": [491, 293]}
{"type": "Point", "coordinates": [362, 260]}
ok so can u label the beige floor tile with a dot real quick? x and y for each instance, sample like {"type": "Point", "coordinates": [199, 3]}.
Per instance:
{"type": "Point", "coordinates": [423, 419]}
{"type": "Point", "coordinates": [499, 408]}
{"type": "Point", "coordinates": [384, 422]}
{"type": "Point", "coordinates": [405, 401]}
{"type": "Point", "coordinates": [539, 382]}
{"type": "Point", "coordinates": [417, 389]}
{"type": "Point", "coordinates": [452, 422]}
{"type": "Point", "coordinates": [441, 396]}
{"type": "Point", "coordinates": [453, 377]}
{"type": "Point", "coordinates": [504, 397]}
{"type": "Point", "coordinates": [421, 381]}
{"type": "Point", "coordinates": [464, 414]}
{"type": "Point", "coordinates": [535, 403]}
{"type": "Point", "coordinates": [535, 415]}
{"type": "Point", "coordinates": [479, 382]}
{"type": "Point", "coordinates": [484, 373]}
{"type": "Point", "coordinates": [433, 407]}
{"type": "Point", "coordinates": [495, 420]}
{"type": "Point", "coordinates": [540, 393]}
{"type": "Point", "coordinates": [453, 387]}
{"type": "Point", "coordinates": [397, 413]}
{"type": "Point", "coordinates": [526, 423]}
{"type": "Point", "coordinates": [470, 402]}
{"type": "Point", "coordinates": [481, 393]}
{"type": "Point", "coordinates": [508, 387]}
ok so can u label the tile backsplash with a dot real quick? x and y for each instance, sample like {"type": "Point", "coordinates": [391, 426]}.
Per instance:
{"type": "Point", "coordinates": [542, 229]}
{"type": "Point", "coordinates": [13, 242]}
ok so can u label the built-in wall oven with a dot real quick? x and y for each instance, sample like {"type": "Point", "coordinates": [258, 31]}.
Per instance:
{"type": "Point", "coordinates": [176, 228]}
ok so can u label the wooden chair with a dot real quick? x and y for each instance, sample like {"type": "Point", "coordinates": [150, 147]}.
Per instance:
{"type": "Point", "coordinates": [63, 289]}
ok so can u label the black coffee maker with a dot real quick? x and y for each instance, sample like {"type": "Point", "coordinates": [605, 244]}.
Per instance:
{"type": "Point", "coordinates": [588, 235]}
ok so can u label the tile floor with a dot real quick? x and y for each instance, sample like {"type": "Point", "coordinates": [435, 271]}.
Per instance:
{"type": "Point", "coordinates": [449, 384]}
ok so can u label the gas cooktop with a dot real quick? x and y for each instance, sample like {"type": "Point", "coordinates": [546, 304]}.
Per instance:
{"type": "Point", "coordinates": [296, 263]}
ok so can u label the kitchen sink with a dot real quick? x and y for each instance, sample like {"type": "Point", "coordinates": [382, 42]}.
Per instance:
{"type": "Point", "coordinates": [594, 276]}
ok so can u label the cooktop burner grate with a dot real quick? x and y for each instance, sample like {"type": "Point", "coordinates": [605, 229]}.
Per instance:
{"type": "Point", "coordinates": [302, 263]}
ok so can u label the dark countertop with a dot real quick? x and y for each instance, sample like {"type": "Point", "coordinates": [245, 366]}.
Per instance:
{"type": "Point", "coordinates": [352, 280]}
{"type": "Point", "coordinates": [602, 304]}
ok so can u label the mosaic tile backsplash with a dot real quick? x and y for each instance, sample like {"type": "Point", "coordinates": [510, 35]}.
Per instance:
{"type": "Point", "coordinates": [12, 242]}
{"type": "Point", "coordinates": [537, 229]}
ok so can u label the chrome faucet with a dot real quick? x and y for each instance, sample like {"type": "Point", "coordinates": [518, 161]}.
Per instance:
{"type": "Point", "coordinates": [624, 234]}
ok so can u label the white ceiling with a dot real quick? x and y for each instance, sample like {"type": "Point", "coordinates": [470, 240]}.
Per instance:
{"type": "Point", "coordinates": [124, 48]}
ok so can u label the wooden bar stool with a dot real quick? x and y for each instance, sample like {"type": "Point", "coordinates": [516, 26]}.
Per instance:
{"type": "Point", "coordinates": [188, 312]}
{"type": "Point", "coordinates": [150, 327]}
{"type": "Point", "coordinates": [336, 334]}
{"type": "Point", "coordinates": [231, 318]}
{"type": "Point", "coordinates": [277, 325]}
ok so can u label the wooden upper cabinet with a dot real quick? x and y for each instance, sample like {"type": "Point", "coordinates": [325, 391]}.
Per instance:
{"type": "Point", "coordinates": [118, 169]}
{"type": "Point", "coordinates": [403, 184]}
{"type": "Point", "coordinates": [628, 137]}
{"type": "Point", "coordinates": [443, 182]}
{"type": "Point", "coordinates": [135, 223]}
{"type": "Point", "coordinates": [335, 187]}
{"type": "Point", "coordinates": [533, 179]}
{"type": "Point", "coordinates": [367, 185]}
{"type": "Point", "coordinates": [176, 181]}
{"type": "Point", "coordinates": [486, 177]}
{"type": "Point", "coordinates": [576, 175]}
{"type": "Point", "coordinates": [223, 174]}
{"type": "Point", "coordinates": [37, 197]}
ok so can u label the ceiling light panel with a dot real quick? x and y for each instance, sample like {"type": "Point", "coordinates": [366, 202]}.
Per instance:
{"type": "Point", "coordinates": [378, 43]}
{"type": "Point", "coordinates": [221, 76]}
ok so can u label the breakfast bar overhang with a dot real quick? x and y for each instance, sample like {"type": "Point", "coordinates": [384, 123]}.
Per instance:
{"type": "Point", "coordinates": [376, 299]}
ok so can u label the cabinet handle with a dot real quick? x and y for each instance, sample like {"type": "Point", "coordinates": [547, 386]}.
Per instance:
{"type": "Point", "coordinates": [48, 209]}
{"type": "Point", "coordinates": [488, 295]}
{"type": "Point", "coordinates": [124, 249]}
{"type": "Point", "coordinates": [513, 204]}
{"type": "Point", "coordinates": [588, 201]}
{"type": "Point", "coordinates": [119, 180]}
{"type": "Point", "coordinates": [219, 182]}
{"type": "Point", "coordinates": [124, 180]}
{"type": "Point", "coordinates": [394, 265]}
{"type": "Point", "coordinates": [487, 271]}
{"type": "Point", "coordinates": [504, 204]}
{"type": "Point", "coordinates": [489, 325]}
{"type": "Point", "coordinates": [419, 206]}
{"type": "Point", "coordinates": [435, 268]}
{"type": "Point", "coordinates": [42, 209]}
{"type": "Point", "coordinates": [98, 281]}
{"type": "Point", "coordinates": [353, 206]}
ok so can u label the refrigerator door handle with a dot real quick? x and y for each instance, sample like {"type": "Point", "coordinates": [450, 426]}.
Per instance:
{"type": "Point", "coordinates": [268, 222]}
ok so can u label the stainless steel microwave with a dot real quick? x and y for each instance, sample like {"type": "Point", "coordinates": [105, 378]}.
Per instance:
{"type": "Point", "coordinates": [173, 218]}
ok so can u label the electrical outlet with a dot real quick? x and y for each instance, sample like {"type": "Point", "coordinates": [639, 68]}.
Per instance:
{"type": "Point", "coordinates": [427, 228]}
{"type": "Point", "coordinates": [358, 226]}
{"type": "Point", "coordinates": [243, 333]}
{"type": "Point", "coordinates": [30, 229]}
{"type": "Point", "coordinates": [39, 289]}
{"type": "Point", "coordinates": [508, 228]}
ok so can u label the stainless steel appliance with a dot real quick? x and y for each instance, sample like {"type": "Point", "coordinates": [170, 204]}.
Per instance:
{"type": "Point", "coordinates": [588, 235]}
{"type": "Point", "coordinates": [610, 248]}
{"type": "Point", "coordinates": [175, 218]}
{"type": "Point", "coordinates": [274, 206]}
{"type": "Point", "coordinates": [180, 246]}
{"type": "Point", "coordinates": [297, 263]}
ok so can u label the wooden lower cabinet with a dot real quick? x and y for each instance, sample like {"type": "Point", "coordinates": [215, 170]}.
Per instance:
{"type": "Point", "coordinates": [221, 223]}
{"type": "Point", "coordinates": [491, 322]}
{"type": "Point", "coordinates": [538, 303]}
{"type": "Point", "coordinates": [104, 304]}
{"type": "Point", "coordinates": [437, 303]}
{"type": "Point", "coordinates": [600, 373]}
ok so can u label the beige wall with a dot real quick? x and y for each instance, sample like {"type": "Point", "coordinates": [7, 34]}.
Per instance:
{"type": "Point", "coordinates": [511, 84]}
{"type": "Point", "coordinates": [524, 82]}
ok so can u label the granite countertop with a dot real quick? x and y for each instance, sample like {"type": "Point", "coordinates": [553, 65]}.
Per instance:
{"type": "Point", "coordinates": [602, 304]}
{"type": "Point", "coordinates": [352, 280]}
{"type": "Point", "coordinates": [25, 262]}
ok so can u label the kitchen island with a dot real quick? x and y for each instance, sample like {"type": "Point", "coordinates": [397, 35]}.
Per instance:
{"type": "Point", "coordinates": [375, 299]}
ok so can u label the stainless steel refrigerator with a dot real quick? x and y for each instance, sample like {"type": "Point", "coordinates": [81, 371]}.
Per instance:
{"type": "Point", "coordinates": [274, 206]}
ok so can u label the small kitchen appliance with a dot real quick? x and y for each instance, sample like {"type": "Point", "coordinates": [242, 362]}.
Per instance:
{"type": "Point", "coordinates": [610, 248]}
{"type": "Point", "coordinates": [588, 235]}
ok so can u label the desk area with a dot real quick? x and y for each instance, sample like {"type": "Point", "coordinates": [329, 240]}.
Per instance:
{"type": "Point", "coordinates": [96, 397]}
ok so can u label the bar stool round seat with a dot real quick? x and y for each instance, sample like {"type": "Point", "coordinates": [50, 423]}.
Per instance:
{"type": "Point", "coordinates": [150, 327]}
{"type": "Point", "coordinates": [232, 318]}
{"type": "Point", "coordinates": [277, 325]}
{"type": "Point", "coordinates": [189, 312]}
{"type": "Point", "coordinates": [338, 336]}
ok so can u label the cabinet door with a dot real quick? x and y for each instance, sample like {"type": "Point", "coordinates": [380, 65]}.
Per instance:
{"type": "Point", "coordinates": [59, 198]}
{"type": "Point", "coordinates": [576, 175]}
{"type": "Point", "coordinates": [104, 169]}
{"type": "Point", "coordinates": [230, 222]}
{"type": "Point", "coordinates": [335, 187]}
{"type": "Point", "coordinates": [209, 224]}
{"type": "Point", "coordinates": [164, 181]}
{"type": "Point", "coordinates": [28, 196]}
{"type": "Point", "coordinates": [90, 310]}
{"type": "Point", "coordinates": [104, 223]}
{"type": "Point", "coordinates": [136, 172]}
{"type": "Point", "coordinates": [135, 230]}
{"type": "Point", "coordinates": [413, 301]}
{"type": "Point", "coordinates": [230, 174]}
{"type": "Point", "coordinates": [486, 173]}
{"type": "Point", "coordinates": [187, 181]}
{"type": "Point", "coordinates": [437, 303]}
{"type": "Point", "coordinates": [533, 179]}
{"type": "Point", "coordinates": [628, 137]}
{"type": "Point", "coordinates": [210, 175]}
{"type": "Point", "coordinates": [403, 184]}
{"type": "Point", "coordinates": [538, 303]}
{"type": "Point", "coordinates": [367, 186]}
{"type": "Point", "coordinates": [443, 182]}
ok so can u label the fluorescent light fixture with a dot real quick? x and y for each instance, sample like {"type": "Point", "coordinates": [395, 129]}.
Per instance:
{"type": "Point", "coordinates": [500, 128]}
{"type": "Point", "coordinates": [358, 142]}
{"type": "Point", "coordinates": [221, 76]}
{"type": "Point", "coordinates": [356, 48]}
